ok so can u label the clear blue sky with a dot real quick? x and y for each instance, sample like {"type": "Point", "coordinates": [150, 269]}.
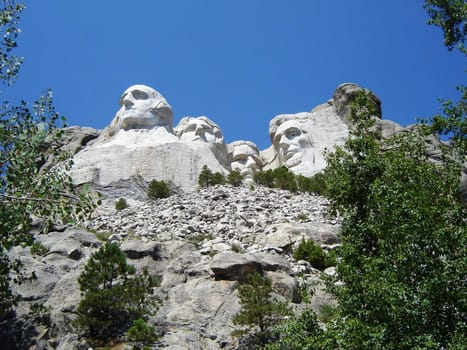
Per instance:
{"type": "Point", "coordinates": [239, 62]}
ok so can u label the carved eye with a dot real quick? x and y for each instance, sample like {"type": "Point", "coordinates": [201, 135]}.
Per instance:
{"type": "Point", "coordinates": [190, 128]}
{"type": "Point", "coordinates": [292, 133]}
{"type": "Point", "coordinates": [139, 95]}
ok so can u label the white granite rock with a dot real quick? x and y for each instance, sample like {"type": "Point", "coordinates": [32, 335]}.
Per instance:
{"type": "Point", "coordinates": [140, 142]}
{"type": "Point", "coordinates": [300, 140]}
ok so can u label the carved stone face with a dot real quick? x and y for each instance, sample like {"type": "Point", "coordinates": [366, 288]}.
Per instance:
{"type": "Point", "coordinates": [142, 107]}
{"type": "Point", "coordinates": [292, 141]}
{"type": "Point", "coordinates": [199, 129]}
{"type": "Point", "coordinates": [245, 158]}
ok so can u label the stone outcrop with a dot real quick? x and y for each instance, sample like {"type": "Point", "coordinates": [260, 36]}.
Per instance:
{"type": "Point", "coordinates": [201, 244]}
{"type": "Point", "coordinates": [141, 142]}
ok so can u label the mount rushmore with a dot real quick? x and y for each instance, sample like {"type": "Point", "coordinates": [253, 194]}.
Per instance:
{"type": "Point", "coordinates": [141, 141]}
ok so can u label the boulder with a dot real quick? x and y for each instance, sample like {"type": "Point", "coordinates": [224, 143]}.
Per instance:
{"type": "Point", "coordinates": [287, 235]}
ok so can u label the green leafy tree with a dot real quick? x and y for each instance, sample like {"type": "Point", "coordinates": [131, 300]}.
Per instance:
{"type": "Point", "coordinates": [403, 258]}
{"type": "Point", "coordinates": [265, 178]}
{"type": "Point", "coordinates": [218, 179]}
{"type": "Point", "coordinates": [278, 178]}
{"type": "Point", "coordinates": [207, 178]}
{"type": "Point", "coordinates": [451, 16]}
{"type": "Point", "coordinates": [234, 178]}
{"type": "Point", "coordinates": [158, 189]}
{"type": "Point", "coordinates": [112, 296]}
{"type": "Point", "coordinates": [259, 311]}
{"type": "Point", "coordinates": [302, 332]}
{"type": "Point", "coordinates": [315, 184]}
{"type": "Point", "coordinates": [28, 137]}
{"type": "Point", "coordinates": [285, 179]}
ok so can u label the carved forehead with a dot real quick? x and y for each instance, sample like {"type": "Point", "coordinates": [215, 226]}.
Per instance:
{"type": "Point", "coordinates": [282, 123]}
{"type": "Point", "coordinates": [139, 88]}
{"type": "Point", "coordinates": [245, 147]}
{"type": "Point", "coordinates": [187, 121]}
{"type": "Point", "coordinates": [298, 124]}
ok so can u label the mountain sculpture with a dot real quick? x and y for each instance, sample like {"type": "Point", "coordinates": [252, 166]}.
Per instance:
{"type": "Point", "coordinates": [141, 142]}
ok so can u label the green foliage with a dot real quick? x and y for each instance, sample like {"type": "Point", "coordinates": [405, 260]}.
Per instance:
{"type": "Point", "coordinates": [326, 313]}
{"type": "Point", "coordinates": [309, 251]}
{"type": "Point", "coordinates": [207, 178]}
{"type": "Point", "coordinates": [29, 136]}
{"type": "Point", "coordinates": [403, 258]}
{"type": "Point", "coordinates": [259, 311]}
{"type": "Point", "coordinates": [141, 332]}
{"type": "Point", "coordinates": [9, 19]}
{"type": "Point", "coordinates": [451, 16]}
{"type": "Point", "coordinates": [284, 179]}
{"type": "Point", "coordinates": [112, 297]}
{"type": "Point", "coordinates": [40, 313]}
{"type": "Point", "coordinates": [315, 184]}
{"type": "Point", "coordinates": [452, 122]}
{"type": "Point", "coordinates": [300, 333]}
{"type": "Point", "coordinates": [278, 178]}
{"type": "Point", "coordinates": [121, 204]}
{"type": "Point", "coordinates": [158, 189]}
{"type": "Point", "coordinates": [234, 178]}
{"type": "Point", "coordinates": [38, 249]}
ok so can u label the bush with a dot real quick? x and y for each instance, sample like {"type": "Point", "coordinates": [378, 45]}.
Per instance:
{"type": "Point", "coordinates": [158, 189]}
{"type": "Point", "coordinates": [140, 331]}
{"type": "Point", "coordinates": [218, 179]}
{"type": "Point", "coordinates": [234, 178]}
{"type": "Point", "coordinates": [286, 180]}
{"type": "Point", "coordinates": [113, 297]}
{"type": "Point", "coordinates": [121, 204]}
{"type": "Point", "coordinates": [37, 248]}
{"type": "Point", "coordinates": [207, 178]}
{"type": "Point", "coordinates": [315, 184]}
{"type": "Point", "coordinates": [259, 311]}
{"type": "Point", "coordinates": [309, 251]}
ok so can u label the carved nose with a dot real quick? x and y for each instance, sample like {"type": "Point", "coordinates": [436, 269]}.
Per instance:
{"type": "Point", "coordinates": [250, 163]}
{"type": "Point", "coordinates": [284, 141]}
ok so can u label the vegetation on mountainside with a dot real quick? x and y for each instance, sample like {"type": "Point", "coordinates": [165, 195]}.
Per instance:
{"type": "Point", "coordinates": [113, 295]}
{"type": "Point", "coordinates": [451, 16]}
{"type": "Point", "coordinates": [234, 178]}
{"type": "Point", "coordinates": [309, 251]}
{"type": "Point", "coordinates": [286, 180]}
{"type": "Point", "coordinates": [260, 312]}
{"type": "Point", "coordinates": [121, 204]}
{"type": "Point", "coordinates": [207, 178]}
{"type": "Point", "coordinates": [401, 269]}
{"type": "Point", "coordinates": [158, 189]}
{"type": "Point", "coordinates": [28, 138]}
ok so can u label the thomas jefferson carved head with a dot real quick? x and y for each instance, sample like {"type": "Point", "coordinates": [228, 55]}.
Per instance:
{"type": "Point", "coordinates": [199, 129]}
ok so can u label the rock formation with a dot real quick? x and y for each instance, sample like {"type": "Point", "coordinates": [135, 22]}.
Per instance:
{"type": "Point", "coordinates": [245, 158]}
{"type": "Point", "coordinates": [200, 243]}
{"type": "Point", "coordinates": [140, 142]}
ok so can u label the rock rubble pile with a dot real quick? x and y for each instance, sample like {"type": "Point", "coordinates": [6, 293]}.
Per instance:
{"type": "Point", "coordinates": [200, 244]}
